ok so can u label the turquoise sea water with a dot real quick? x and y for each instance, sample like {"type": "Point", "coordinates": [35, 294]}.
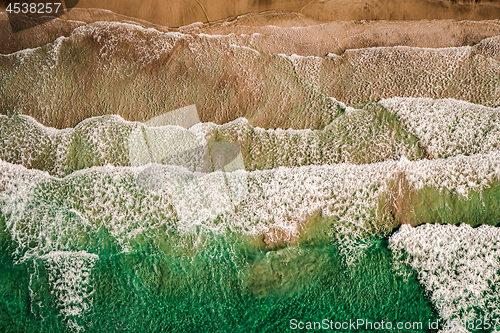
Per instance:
{"type": "Point", "coordinates": [225, 285]}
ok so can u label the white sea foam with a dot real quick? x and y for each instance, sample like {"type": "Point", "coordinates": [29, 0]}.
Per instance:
{"type": "Point", "coordinates": [458, 267]}
{"type": "Point", "coordinates": [447, 127]}
{"type": "Point", "coordinates": [69, 280]}
{"type": "Point", "coordinates": [112, 140]}
{"type": "Point", "coordinates": [40, 209]}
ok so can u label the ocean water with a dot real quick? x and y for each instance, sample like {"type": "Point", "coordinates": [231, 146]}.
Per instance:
{"type": "Point", "coordinates": [225, 284]}
{"type": "Point", "coordinates": [278, 208]}
{"type": "Point", "coordinates": [97, 250]}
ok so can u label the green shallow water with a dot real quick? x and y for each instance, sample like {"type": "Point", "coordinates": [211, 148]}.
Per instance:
{"type": "Point", "coordinates": [225, 285]}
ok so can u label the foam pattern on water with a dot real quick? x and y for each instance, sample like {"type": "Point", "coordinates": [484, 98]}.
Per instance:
{"type": "Point", "coordinates": [139, 73]}
{"type": "Point", "coordinates": [458, 266]}
{"type": "Point", "coordinates": [171, 145]}
{"type": "Point", "coordinates": [200, 198]}
{"type": "Point", "coordinates": [48, 214]}
{"type": "Point", "coordinates": [109, 57]}
{"type": "Point", "coordinates": [448, 127]}
{"type": "Point", "coordinates": [358, 136]}
{"type": "Point", "coordinates": [455, 72]}
{"type": "Point", "coordinates": [489, 47]}
{"type": "Point", "coordinates": [69, 279]}
{"type": "Point", "coordinates": [45, 214]}
{"type": "Point", "coordinates": [118, 188]}
{"type": "Point", "coordinates": [462, 174]}
{"type": "Point", "coordinates": [368, 135]}
{"type": "Point", "coordinates": [97, 141]}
